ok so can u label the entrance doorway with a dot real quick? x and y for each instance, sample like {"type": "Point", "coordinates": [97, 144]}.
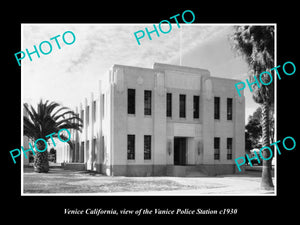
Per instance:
{"type": "Point", "coordinates": [180, 146]}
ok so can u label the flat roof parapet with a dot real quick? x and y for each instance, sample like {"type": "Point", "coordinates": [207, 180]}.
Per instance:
{"type": "Point", "coordinates": [162, 66]}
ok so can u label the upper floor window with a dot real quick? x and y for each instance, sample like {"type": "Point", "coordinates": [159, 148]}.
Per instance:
{"type": "Point", "coordinates": [217, 108]}
{"type": "Point", "coordinates": [182, 106]}
{"type": "Point", "coordinates": [87, 115]}
{"type": "Point", "coordinates": [103, 105]}
{"type": "Point", "coordinates": [147, 102]}
{"type": "Point", "coordinates": [94, 111]}
{"type": "Point", "coordinates": [81, 114]}
{"type": "Point", "coordinates": [229, 108]}
{"type": "Point", "coordinates": [196, 107]}
{"type": "Point", "coordinates": [169, 105]}
{"type": "Point", "coordinates": [131, 101]}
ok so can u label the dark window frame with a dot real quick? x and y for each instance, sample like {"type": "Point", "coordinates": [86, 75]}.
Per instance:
{"type": "Point", "coordinates": [217, 141]}
{"type": "Point", "coordinates": [182, 106]}
{"type": "Point", "coordinates": [217, 102]}
{"type": "Point", "coordinates": [229, 108]}
{"type": "Point", "coordinates": [130, 147]}
{"type": "Point", "coordinates": [94, 111]}
{"type": "Point", "coordinates": [87, 116]}
{"type": "Point", "coordinates": [131, 101]}
{"type": "Point", "coordinates": [82, 115]}
{"type": "Point", "coordinates": [169, 105]}
{"type": "Point", "coordinates": [147, 147]}
{"type": "Point", "coordinates": [147, 102]}
{"type": "Point", "coordinates": [196, 106]}
{"type": "Point", "coordinates": [229, 148]}
{"type": "Point", "coordinates": [103, 105]}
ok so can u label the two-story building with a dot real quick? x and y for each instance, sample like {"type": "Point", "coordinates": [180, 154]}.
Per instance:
{"type": "Point", "coordinates": [166, 120]}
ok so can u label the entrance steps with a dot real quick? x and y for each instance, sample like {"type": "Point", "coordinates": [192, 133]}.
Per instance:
{"type": "Point", "coordinates": [186, 171]}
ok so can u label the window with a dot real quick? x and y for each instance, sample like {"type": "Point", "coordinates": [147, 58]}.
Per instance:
{"type": "Point", "coordinates": [147, 102]}
{"type": "Point", "coordinates": [131, 101]}
{"type": "Point", "coordinates": [182, 106]}
{"type": "Point", "coordinates": [81, 114]}
{"type": "Point", "coordinates": [147, 146]}
{"type": "Point", "coordinates": [229, 108]}
{"type": "Point", "coordinates": [103, 105]}
{"type": "Point", "coordinates": [130, 146]}
{"type": "Point", "coordinates": [94, 111]}
{"type": "Point", "coordinates": [196, 107]}
{"type": "Point", "coordinates": [216, 148]}
{"type": "Point", "coordinates": [87, 115]}
{"type": "Point", "coordinates": [229, 148]}
{"type": "Point", "coordinates": [217, 108]}
{"type": "Point", "coordinates": [169, 105]}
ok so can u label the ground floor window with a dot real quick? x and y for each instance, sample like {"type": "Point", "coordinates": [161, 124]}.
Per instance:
{"type": "Point", "coordinates": [229, 148]}
{"type": "Point", "coordinates": [130, 146]}
{"type": "Point", "coordinates": [147, 146]}
{"type": "Point", "coordinates": [216, 148]}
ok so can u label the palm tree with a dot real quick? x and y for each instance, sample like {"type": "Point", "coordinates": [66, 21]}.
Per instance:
{"type": "Point", "coordinates": [44, 121]}
{"type": "Point", "coordinates": [256, 45]}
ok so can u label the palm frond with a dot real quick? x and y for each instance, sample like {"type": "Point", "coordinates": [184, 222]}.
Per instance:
{"type": "Point", "coordinates": [70, 112]}
{"type": "Point", "coordinates": [68, 120]}
{"type": "Point", "coordinates": [44, 120]}
{"type": "Point", "coordinates": [62, 108]}
{"type": "Point", "coordinates": [30, 130]}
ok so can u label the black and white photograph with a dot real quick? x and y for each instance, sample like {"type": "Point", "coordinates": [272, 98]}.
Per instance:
{"type": "Point", "coordinates": [164, 116]}
{"type": "Point", "coordinates": [176, 111]}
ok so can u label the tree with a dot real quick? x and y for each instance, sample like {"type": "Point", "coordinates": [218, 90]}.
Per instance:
{"type": "Point", "coordinates": [44, 121]}
{"type": "Point", "coordinates": [256, 45]}
{"type": "Point", "coordinates": [253, 130]}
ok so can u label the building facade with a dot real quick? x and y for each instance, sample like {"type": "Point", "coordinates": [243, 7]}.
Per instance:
{"type": "Point", "coordinates": [166, 120]}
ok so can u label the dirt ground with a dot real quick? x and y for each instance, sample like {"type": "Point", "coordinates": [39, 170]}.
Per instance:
{"type": "Point", "coordinates": [66, 182]}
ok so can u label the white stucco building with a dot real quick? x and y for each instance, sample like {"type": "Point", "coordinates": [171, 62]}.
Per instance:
{"type": "Point", "coordinates": [166, 120]}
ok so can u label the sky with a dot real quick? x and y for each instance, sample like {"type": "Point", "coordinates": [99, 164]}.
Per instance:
{"type": "Point", "coordinates": [70, 74]}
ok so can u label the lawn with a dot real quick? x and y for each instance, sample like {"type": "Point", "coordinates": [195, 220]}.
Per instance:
{"type": "Point", "coordinates": [66, 181]}
{"type": "Point", "coordinates": [63, 181]}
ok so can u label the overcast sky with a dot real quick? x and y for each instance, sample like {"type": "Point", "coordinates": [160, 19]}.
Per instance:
{"type": "Point", "coordinates": [70, 74]}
